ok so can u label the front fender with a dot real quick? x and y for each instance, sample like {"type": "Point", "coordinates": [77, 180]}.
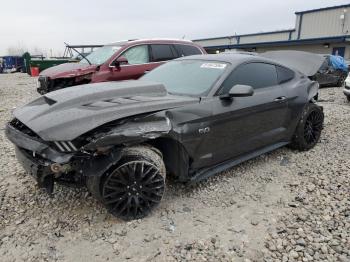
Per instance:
{"type": "Point", "coordinates": [136, 130]}
{"type": "Point", "coordinates": [98, 165]}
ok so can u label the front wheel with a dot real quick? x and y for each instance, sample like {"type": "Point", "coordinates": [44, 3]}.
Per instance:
{"type": "Point", "coordinates": [309, 128]}
{"type": "Point", "coordinates": [135, 185]}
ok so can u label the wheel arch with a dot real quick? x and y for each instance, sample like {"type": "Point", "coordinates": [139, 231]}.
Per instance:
{"type": "Point", "coordinates": [175, 156]}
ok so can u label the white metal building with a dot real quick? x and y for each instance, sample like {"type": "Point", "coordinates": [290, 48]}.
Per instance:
{"type": "Point", "coordinates": [324, 31]}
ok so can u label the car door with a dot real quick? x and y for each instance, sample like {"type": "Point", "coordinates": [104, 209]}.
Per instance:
{"type": "Point", "coordinates": [138, 64]}
{"type": "Point", "coordinates": [244, 124]}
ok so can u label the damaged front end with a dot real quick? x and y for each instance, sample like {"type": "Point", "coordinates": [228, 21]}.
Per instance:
{"type": "Point", "coordinates": [46, 84]}
{"type": "Point", "coordinates": [92, 154]}
{"type": "Point", "coordinates": [129, 132]}
{"type": "Point", "coordinates": [45, 162]}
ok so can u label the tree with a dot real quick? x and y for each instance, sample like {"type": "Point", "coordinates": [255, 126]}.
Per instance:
{"type": "Point", "coordinates": [17, 50]}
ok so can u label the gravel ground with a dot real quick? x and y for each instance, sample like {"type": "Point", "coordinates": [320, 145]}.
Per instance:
{"type": "Point", "coordinates": [282, 206]}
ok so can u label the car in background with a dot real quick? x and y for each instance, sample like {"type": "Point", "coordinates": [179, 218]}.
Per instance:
{"type": "Point", "coordinates": [190, 118]}
{"type": "Point", "coordinates": [346, 90]}
{"type": "Point", "coordinates": [1, 66]}
{"type": "Point", "coordinates": [332, 72]}
{"type": "Point", "coordinates": [119, 61]}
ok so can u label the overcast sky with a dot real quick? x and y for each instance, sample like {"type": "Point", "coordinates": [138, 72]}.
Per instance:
{"type": "Point", "coordinates": [46, 24]}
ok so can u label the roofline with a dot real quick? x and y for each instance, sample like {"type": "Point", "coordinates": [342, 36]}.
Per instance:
{"type": "Point", "coordinates": [322, 9]}
{"type": "Point", "coordinates": [124, 42]}
{"type": "Point", "coordinates": [163, 39]}
{"type": "Point", "coordinates": [252, 34]}
{"type": "Point", "coordinates": [333, 39]}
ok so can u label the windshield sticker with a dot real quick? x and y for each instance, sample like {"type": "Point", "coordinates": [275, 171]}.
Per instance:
{"type": "Point", "coordinates": [214, 65]}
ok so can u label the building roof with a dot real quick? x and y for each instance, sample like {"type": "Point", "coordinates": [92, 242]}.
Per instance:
{"type": "Point", "coordinates": [277, 31]}
{"type": "Point", "coordinates": [322, 9]}
{"type": "Point", "coordinates": [321, 40]}
{"type": "Point", "coordinates": [251, 34]}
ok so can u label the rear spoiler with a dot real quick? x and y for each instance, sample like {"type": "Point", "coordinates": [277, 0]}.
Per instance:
{"type": "Point", "coordinates": [304, 62]}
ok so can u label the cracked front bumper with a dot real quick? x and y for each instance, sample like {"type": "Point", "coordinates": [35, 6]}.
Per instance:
{"type": "Point", "coordinates": [39, 170]}
{"type": "Point", "coordinates": [41, 148]}
{"type": "Point", "coordinates": [36, 156]}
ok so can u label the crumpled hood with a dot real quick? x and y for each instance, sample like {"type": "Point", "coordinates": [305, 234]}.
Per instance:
{"type": "Point", "coordinates": [68, 70]}
{"type": "Point", "coordinates": [66, 114]}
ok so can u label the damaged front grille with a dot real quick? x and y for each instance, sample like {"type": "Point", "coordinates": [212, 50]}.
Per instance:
{"type": "Point", "coordinates": [23, 128]}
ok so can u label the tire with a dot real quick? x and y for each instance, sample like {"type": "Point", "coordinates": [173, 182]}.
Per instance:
{"type": "Point", "coordinates": [341, 81]}
{"type": "Point", "coordinates": [309, 128]}
{"type": "Point", "coordinates": [133, 187]}
{"type": "Point", "coordinates": [348, 98]}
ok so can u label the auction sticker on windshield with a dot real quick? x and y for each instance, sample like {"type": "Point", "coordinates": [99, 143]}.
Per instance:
{"type": "Point", "coordinates": [214, 65]}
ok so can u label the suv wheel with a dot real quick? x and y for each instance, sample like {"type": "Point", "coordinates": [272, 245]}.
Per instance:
{"type": "Point", "coordinates": [135, 185]}
{"type": "Point", "coordinates": [309, 128]}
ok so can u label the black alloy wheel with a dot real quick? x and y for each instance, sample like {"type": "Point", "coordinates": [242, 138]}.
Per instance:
{"type": "Point", "coordinates": [309, 128]}
{"type": "Point", "coordinates": [133, 189]}
{"type": "Point", "coordinates": [313, 127]}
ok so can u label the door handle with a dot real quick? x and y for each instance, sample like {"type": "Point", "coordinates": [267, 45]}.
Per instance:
{"type": "Point", "coordinates": [280, 99]}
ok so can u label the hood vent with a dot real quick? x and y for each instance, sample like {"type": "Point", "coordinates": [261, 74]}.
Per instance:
{"type": "Point", "coordinates": [111, 102]}
{"type": "Point", "coordinates": [49, 101]}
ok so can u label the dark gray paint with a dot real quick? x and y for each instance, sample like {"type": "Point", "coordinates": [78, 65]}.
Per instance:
{"type": "Point", "coordinates": [203, 132]}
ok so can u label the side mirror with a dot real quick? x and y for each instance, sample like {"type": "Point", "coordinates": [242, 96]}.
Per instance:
{"type": "Point", "coordinates": [239, 91]}
{"type": "Point", "coordinates": [119, 61]}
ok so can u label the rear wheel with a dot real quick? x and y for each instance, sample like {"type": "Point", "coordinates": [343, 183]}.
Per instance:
{"type": "Point", "coordinates": [135, 185]}
{"type": "Point", "coordinates": [348, 98]}
{"type": "Point", "coordinates": [309, 128]}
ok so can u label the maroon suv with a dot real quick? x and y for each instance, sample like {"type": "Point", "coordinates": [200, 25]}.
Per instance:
{"type": "Point", "coordinates": [114, 62]}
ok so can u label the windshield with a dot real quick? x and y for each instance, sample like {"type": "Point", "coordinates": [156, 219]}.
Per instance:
{"type": "Point", "coordinates": [188, 77]}
{"type": "Point", "coordinates": [101, 55]}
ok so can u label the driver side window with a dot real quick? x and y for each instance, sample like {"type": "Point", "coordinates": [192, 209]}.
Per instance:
{"type": "Point", "coordinates": [256, 75]}
{"type": "Point", "coordinates": [137, 55]}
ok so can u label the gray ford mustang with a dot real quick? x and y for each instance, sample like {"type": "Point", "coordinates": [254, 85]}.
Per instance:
{"type": "Point", "coordinates": [190, 118]}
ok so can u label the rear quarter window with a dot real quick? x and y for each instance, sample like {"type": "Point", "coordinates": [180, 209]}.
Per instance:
{"type": "Point", "coordinates": [162, 53]}
{"type": "Point", "coordinates": [186, 50]}
{"type": "Point", "coordinates": [284, 74]}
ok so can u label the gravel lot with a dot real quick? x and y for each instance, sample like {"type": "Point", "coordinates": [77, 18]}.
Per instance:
{"type": "Point", "coordinates": [282, 206]}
